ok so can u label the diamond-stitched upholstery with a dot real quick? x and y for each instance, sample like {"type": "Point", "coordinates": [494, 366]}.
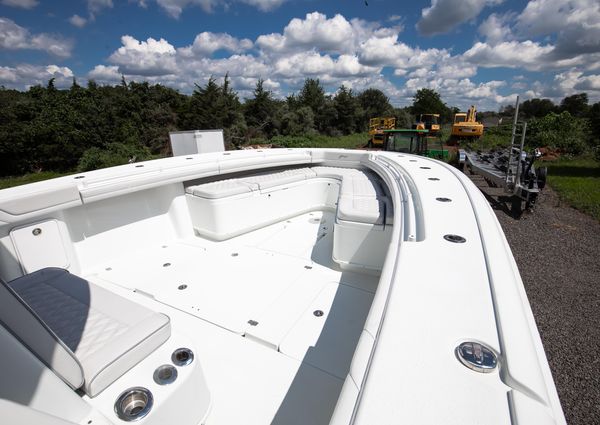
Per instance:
{"type": "Point", "coordinates": [105, 333]}
{"type": "Point", "coordinates": [62, 314]}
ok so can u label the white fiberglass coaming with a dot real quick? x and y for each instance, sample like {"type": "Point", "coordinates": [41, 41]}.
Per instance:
{"type": "Point", "coordinates": [312, 286]}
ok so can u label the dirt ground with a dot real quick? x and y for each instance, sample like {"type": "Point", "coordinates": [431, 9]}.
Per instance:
{"type": "Point", "coordinates": [558, 252]}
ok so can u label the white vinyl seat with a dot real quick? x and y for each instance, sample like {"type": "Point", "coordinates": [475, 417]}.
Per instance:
{"type": "Point", "coordinates": [269, 180]}
{"type": "Point", "coordinates": [361, 210]}
{"type": "Point", "coordinates": [220, 189]}
{"type": "Point", "coordinates": [88, 335]}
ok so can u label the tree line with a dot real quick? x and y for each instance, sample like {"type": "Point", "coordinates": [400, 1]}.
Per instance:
{"type": "Point", "coordinates": [84, 128]}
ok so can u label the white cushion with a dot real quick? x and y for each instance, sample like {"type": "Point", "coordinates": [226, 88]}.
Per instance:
{"type": "Point", "coordinates": [22, 322]}
{"type": "Point", "coordinates": [335, 172]}
{"type": "Point", "coordinates": [106, 334]}
{"type": "Point", "coordinates": [361, 209]}
{"type": "Point", "coordinates": [361, 185]}
{"type": "Point", "coordinates": [219, 189]}
{"type": "Point", "coordinates": [269, 180]}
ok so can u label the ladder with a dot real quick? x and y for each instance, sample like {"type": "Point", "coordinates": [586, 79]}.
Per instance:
{"type": "Point", "coordinates": [517, 143]}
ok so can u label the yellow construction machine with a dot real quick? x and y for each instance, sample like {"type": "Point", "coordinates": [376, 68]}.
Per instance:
{"type": "Point", "coordinates": [429, 122]}
{"type": "Point", "coordinates": [465, 126]}
{"type": "Point", "coordinates": [376, 127]}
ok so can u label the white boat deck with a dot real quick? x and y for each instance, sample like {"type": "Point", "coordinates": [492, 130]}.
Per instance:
{"type": "Point", "coordinates": [256, 322]}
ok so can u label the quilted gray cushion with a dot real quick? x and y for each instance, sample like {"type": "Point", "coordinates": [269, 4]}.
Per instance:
{"type": "Point", "coordinates": [106, 334]}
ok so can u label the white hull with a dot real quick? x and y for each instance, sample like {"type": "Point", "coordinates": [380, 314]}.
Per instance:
{"type": "Point", "coordinates": [306, 300]}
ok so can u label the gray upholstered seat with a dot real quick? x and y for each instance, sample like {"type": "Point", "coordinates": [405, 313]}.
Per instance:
{"type": "Point", "coordinates": [89, 336]}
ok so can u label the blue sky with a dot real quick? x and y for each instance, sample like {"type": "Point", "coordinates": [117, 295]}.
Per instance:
{"type": "Point", "coordinates": [471, 51]}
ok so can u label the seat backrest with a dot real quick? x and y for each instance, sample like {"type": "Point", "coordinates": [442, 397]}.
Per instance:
{"type": "Point", "coordinates": [18, 318]}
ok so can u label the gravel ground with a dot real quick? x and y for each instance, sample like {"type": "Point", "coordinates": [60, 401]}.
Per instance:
{"type": "Point", "coordinates": [557, 249]}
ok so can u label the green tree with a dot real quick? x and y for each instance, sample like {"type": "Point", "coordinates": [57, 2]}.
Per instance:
{"type": "Point", "coordinates": [404, 118]}
{"type": "Point", "coordinates": [576, 105]}
{"type": "Point", "coordinates": [259, 110]}
{"type": "Point", "coordinates": [348, 111]}
{"type": "Point", "coordinates": [594, 120]}
{"type": "Point", "coordinates": [374, 103]}
{"type": "Point", "coordinates": [312, 95]}
{"type": "Point", "coordinates": [427, 101]}
{"type": "Point", "coordinates": [537, 108]}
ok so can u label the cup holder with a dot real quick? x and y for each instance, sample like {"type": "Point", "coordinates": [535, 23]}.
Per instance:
{"type": "Point", "coordinates": [182, 357]}
{"type": "Point", "coordinates": [134, 404]}
{"type": "Point", "coordinates": [165, 374]}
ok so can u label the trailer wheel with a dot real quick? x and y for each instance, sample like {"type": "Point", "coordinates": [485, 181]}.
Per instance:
{"type": "Point", "coordinates": [541, 174]}
{"type": "Point", "coordinates": [516, 207]}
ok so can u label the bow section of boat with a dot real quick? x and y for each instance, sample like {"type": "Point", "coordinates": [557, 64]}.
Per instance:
{"type": "Point", "coordinates": [454, 285]}
{"type": "Point", "coordinates": [312, 285]}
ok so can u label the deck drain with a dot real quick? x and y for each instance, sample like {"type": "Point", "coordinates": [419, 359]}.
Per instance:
{"type": "Point", "coordinates": [79, 177]}
{"type": "Point", "coordinates": [455, 238]}
{"type": "Point", "coordinates": [166, 264]}
{"type": "Point", "coordinates": [425, 168]}
{"type": "Point", "coordinates": [308, 267]}
{"type": "Point", "coordinates": [108, 269]}
{"type": "Point", "coordinates": [413, 160]}
{"type": "Point", "coordinates": [234, 254]}
{"type": "Point", "coordinates": [318, 313]}
{"type": "Point", "coordinates": [443, 199]}
{"type": "Point", "coordinates": [164, 246]}
{"type": "Point", "coordinates": [182, 287]}
{"type": "Point", "coordinates": [252, 322]}
{"type": "Point", "coordinates": [435, 179]}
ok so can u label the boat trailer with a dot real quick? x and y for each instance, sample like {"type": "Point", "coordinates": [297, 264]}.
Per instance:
{"type": "Point", "coordinates": [511, 168]}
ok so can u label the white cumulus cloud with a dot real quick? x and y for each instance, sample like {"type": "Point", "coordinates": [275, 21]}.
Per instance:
{"type": "Point", "coordinates": [77, 21]}
{"type": "Point", "coordinates": [150, 57]}
{"type": "Point", "coordinates": [26, 75]}
{"type": "Point", "coordinates": [15, 37]}
{"type": "Point", "coordinates": [206, 43]}
{"type": "Point", "coordinates": [496, 28]}
{"type": "Point", "coordinates": [576, 24]}
{"type": "Point", "coordinates": [105, 74]}
{"type": "Point", "coordinates": [96, 6]}
{"type": "Point", "coordinates": [445, 15]}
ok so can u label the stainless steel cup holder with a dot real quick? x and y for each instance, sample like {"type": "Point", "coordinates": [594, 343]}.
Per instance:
{"type": "Point", "coordinates": [133, 404]}
{"type": "Point", "coordinates": [182, 357]}
{"type": "Point", "coordinates": [165, 374]}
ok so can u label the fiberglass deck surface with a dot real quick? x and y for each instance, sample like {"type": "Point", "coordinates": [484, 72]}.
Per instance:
{"type": "Point", "coordinates": [269, 285]}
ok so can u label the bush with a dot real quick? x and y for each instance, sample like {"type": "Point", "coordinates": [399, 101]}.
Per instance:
{"type": "Point", "coordinates": [561, 131]}
{"type": "Point", "coordinates": [114, 154]}
{"type": "Point", "coordinates": [293, 141]}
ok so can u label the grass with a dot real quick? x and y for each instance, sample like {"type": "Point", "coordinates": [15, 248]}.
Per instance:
{"type": "Point", "coordinates": [351, 141]}
{"type": "Point", "coordinates": [7, 182]}
{"type": "Point", "coordinates": [577, 181]}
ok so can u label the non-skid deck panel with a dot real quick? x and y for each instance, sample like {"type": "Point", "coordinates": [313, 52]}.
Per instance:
{"type": "Point", "coordinates": [264, 285]}
{"type": "Point", "coordinates": [224, 288]}
{"type": "Point", "coordinates": [326, 334]}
